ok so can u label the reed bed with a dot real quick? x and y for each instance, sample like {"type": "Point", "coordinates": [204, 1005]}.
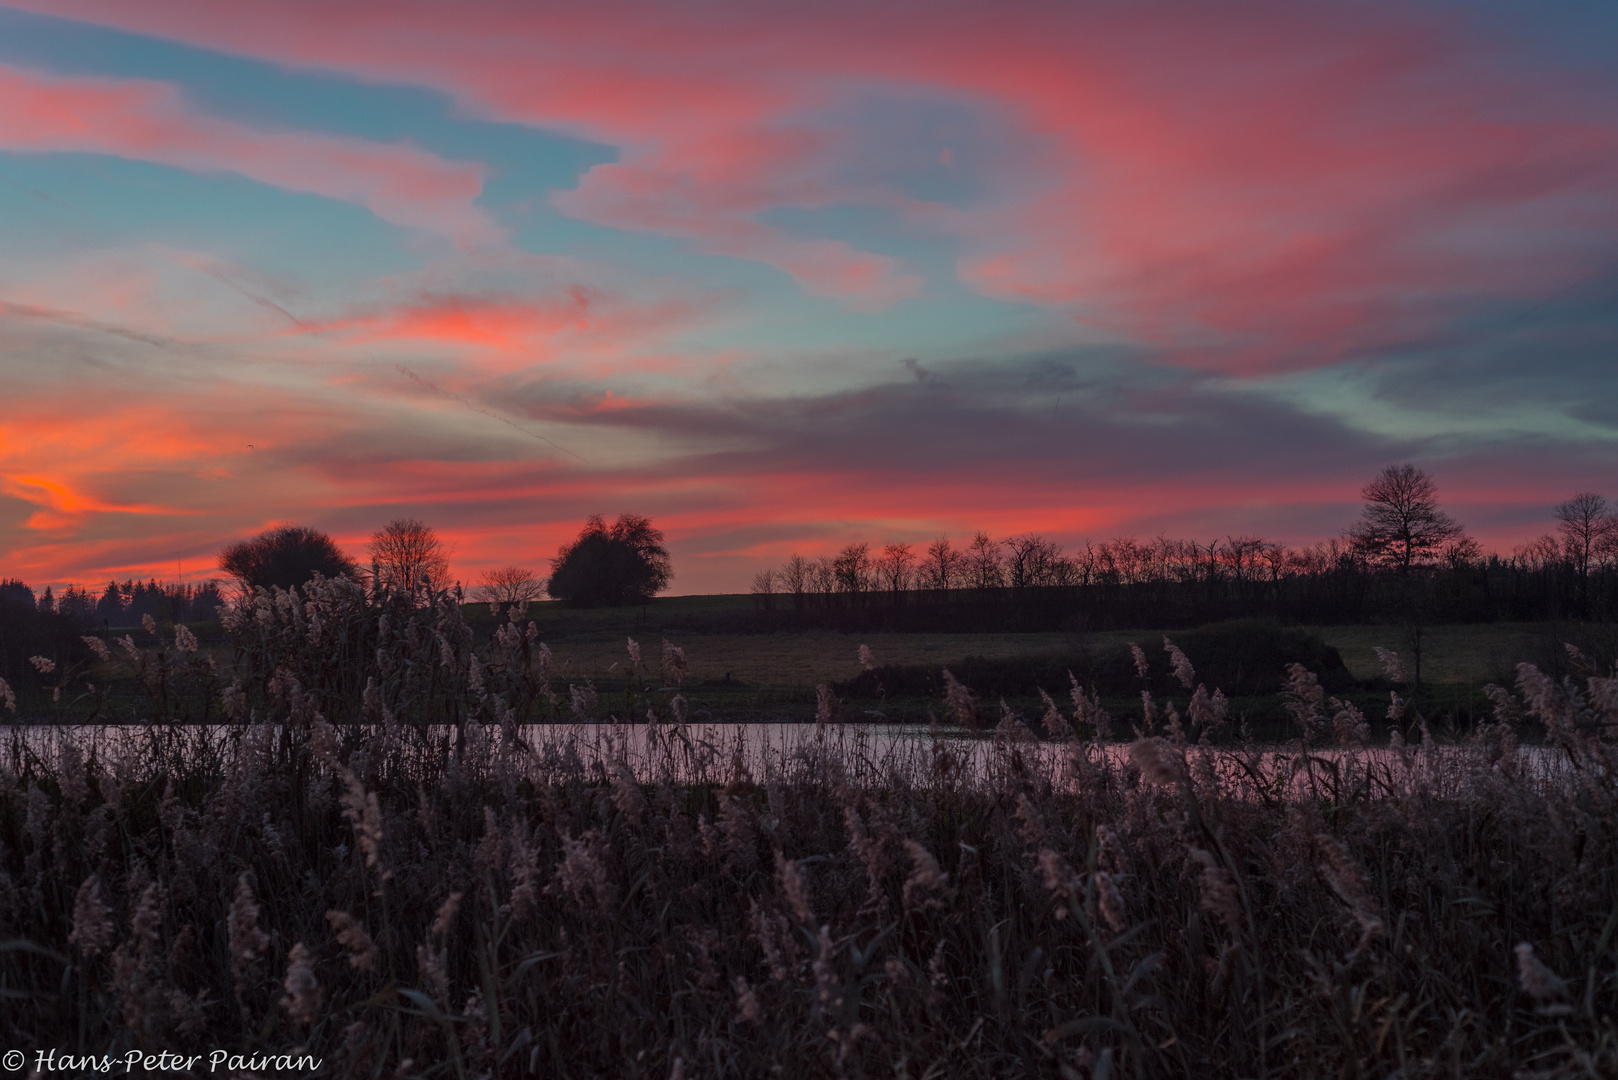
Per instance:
{"type": "Point", "coordinates": [434, 888]}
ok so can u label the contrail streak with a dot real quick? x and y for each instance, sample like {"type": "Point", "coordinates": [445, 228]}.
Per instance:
{"type": "Point", "coordinates": [425, 385]}
{"type": "Point", "coordinates": [262, 301]}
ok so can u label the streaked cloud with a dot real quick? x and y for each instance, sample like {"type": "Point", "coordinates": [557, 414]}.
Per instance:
{"type": "Point", "coordinates": [150, 121]}
{"type": "Point", "coordinates": [836, 272]}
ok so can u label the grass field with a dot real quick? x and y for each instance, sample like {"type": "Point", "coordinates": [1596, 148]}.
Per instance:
{"type": "Point", "coordinates": [1453, 654]}
{"type": "Point", "coordinates": [773, 676]}
{"type": "Point", "coordinates": [591, 641]}
{"type": "Point", "coordinates": [759, 675]}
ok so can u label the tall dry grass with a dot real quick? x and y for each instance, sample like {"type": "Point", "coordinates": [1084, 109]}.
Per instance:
{"type": "Point", "coordinates": [460, 897]}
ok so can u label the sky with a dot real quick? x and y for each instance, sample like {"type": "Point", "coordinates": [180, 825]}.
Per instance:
{"type": "Point", "coordinates": [784, 276]}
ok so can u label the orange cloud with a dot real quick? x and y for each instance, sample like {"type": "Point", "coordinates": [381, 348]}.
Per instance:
{"type": "Point", "coordinates": [63, 507]}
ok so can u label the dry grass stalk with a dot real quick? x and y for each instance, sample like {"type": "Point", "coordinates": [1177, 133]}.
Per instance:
{"type": "Point", "coordinates": [548, 887]}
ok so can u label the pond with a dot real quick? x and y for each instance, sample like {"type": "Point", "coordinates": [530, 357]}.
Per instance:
{"type": "Point", "coordinates": [859, 754]}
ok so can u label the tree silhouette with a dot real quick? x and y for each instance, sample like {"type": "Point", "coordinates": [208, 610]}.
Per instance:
{"type": "Point", "coordinates": [284, 557]}
{"type": "Point", "coordinates": [624, 563]}
{"type": "Point", "coordinates": [893, 567]}
{"type": "Point", "coordinates": [509, 585]}
{"type": "Point", "coordinates": [1588, 529]}
{"type": "Point", "coordinates": [943, 565]}
{"type": "Point", "coordinates": [1401, 524]}
{"type": "Point", "coordinates": [408, 557]}
{"type": "Point", "coordinates": [983, 562]}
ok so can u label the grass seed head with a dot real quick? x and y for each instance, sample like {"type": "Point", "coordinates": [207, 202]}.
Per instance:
{"type": "Point", "coordinates": [1538, 981]}
{"type": "Point", "coordinates": [446, 914]}
{"type": "Point", "coordinates": [303, 994]}
{"type": "Point", "coordinates": [1392, 666]}
{"type": "Point", "coordinates": [1054, 723]}
{"type": "Point", "coordinates": [1111, 901]}
{"type": "Point", "coordinates": [747, 1007]}
{"type": "Point", "coordinates": [1220, 894]}
{"type": "Point", "coordinates": [351, 933]}
{"type": "Point", "coordinates": [246, 939]}
{"type": "Point", "coordinates": [1158, 761]}
{"type": "Point", "coordinates": [928, 884]}
{"type": "Point", "coordinates": [92, 919]}
{"type": "Point", "coordinates": [958, 700]}
{"type": "Point", "coordinates": [825, 704]}
{"type": "Point", "coordinates": [1180, 663]}
{"type": "Point", "coordinates": [795, 887]}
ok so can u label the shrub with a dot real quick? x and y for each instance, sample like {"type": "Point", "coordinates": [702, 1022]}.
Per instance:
{"type": "Point", "coordinates": [284, 557]}
{"type": "Point", "coordinates": [607, 566]}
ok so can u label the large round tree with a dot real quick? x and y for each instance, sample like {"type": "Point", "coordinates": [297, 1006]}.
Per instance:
{"type": "Point", "coordinates": [624, 563]}
{"type": "Point", "coordinates": [285, 556]}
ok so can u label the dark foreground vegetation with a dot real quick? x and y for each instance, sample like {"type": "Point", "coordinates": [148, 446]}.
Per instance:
{"type": "Point", "coordinates": [377, 862]}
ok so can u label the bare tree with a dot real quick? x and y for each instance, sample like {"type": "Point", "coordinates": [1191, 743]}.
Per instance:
{"type": "Point", "coordinates": [1125, 560]}
{"type": "Point", "coordinates": [408, 556]}
{"type": "Point", "coordinates": [1242, 555]}
{"type": "Point", "coordinates": [853, 568]}
{"type": "Point", "coordinates": [1083, 565]}
{"type": "Point", "coordinates": [1539, 554]}
{"type": "Point", "coordinates": [796, 576]}
{"type": "Point", "coordinates": [1589, 529]}
{"type": "Point", "coordinates": [764, 588]}
{"type": "Point", "coordinates": [1275, 558]}
{"type": "Point", "coordinates": [1461, 552]}
{"type": "Point", "coordinates": [825, 575]}
{"type": "Point", "coordinates": [983, 562]}
{"type": "Point", "coordinates": [943, 565]}
{"type": "Point", "coordinates": [509, 585]}
{"type": "Point", "coordinates": [1030, 560]}
{"type": "Point", "coordinates": [893, 567]}
{"type": "Point", "coordinates": [1401, 524]}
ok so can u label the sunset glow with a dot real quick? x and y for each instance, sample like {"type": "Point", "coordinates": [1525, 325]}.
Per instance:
{"type": "Point", "coordinates": [786, 277]}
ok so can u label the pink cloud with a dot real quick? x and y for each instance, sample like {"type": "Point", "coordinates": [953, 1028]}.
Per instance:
{"type": "Point", "coordinates": [1260, 187]}
{"type": "Point", "coordinates": [498, 331]}
{"type": "Point", "coordinates": [149, 121]}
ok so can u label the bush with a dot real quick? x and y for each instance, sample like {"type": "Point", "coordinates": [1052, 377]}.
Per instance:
{"type": "Point", "coordinates": [610, 566]}
{"type": "Point", "coordinates": [285, 557]}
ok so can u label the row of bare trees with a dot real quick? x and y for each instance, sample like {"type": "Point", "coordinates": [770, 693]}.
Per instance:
{"type": "Point", "coordinates": [1033, 561]}
{"type": "Point", "coordinates": [1402, 532]}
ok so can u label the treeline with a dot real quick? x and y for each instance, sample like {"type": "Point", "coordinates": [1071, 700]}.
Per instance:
{"type": "Point", "coordinates": [1029, 582]}
{"type": "Point", "coordinates": [28, 629]}
{"type": "Point", "coordinates": [1404, 560]}
{"type": "Point", "coordinates": [127, 603]}
{"type": "Point", "coordinates": [54, 625]}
